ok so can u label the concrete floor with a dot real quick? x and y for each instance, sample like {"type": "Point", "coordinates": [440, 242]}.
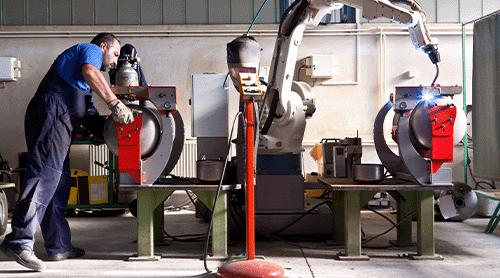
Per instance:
{"type": "Point", "coordinates": [109, 240]}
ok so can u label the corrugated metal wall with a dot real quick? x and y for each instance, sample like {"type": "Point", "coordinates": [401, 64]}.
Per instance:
{"type": "Point", "coordinates": [136, 12]}
{"type": "Point", "coordinates": [157, 12]}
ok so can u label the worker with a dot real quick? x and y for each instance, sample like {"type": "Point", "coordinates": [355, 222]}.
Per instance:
{"type": "Point", "coordinates": [61, 104]}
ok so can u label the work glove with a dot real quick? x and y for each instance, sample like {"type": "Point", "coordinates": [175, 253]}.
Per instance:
{"type": "Point", "coordinates": [121, 113]}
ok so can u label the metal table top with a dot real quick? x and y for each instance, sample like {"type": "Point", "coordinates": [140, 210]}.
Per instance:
{"type": "Point", "coordinates": [190, 184]}
{"type": "Point", "coordinates": [347, 184]}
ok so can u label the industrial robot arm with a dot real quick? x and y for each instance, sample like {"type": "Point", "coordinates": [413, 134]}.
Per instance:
{"type": "Point", "coordinates": [282, 112]}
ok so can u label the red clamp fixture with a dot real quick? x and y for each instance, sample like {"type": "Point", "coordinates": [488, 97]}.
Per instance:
{"type": "Point", "coordinates": [442, 121]}
{"type": "Point", "coordinates": [129, 147]}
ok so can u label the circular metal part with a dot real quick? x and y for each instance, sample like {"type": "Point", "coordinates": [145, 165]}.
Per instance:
{"type": "Point", "coordinates": [464, 201]}
{"type": "Point", "coordinates": [368, 173]}
{"type": "Point", "coordinates": [3, 213]}
{"type": "Point", "coordinates": [421, 127]}
{"type": "Point", "coordinates": [402, 105]}
{"type": "Point", "coordinates": [303, 89]}
{"type": "Point", "coordinates": [150, 131]}
{"type": "Point", "coordinates": [177, 144]}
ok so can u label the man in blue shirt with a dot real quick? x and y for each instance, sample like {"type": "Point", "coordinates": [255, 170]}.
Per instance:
{"type": "Point", "coordinates": [61, 104]}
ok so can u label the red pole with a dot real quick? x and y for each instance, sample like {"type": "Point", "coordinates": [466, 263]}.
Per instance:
{"type": "Point", "coordinates": [250, 199]}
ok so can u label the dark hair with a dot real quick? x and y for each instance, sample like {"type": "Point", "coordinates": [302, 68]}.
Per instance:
{"type": "Point", "coordinates": [104, 37]}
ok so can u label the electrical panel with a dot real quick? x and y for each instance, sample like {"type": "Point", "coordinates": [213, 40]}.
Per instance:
{"type": "Point", "coordinates": [209, 106]}
{"type": "Point", "coordinates": [9, 69]}
{"type": "Point", "coordinates": [321, 66]}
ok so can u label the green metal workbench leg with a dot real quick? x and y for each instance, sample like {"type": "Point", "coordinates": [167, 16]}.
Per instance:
{"type": "Point", "coordinates": [219, 223]}
{"type": "Point", "coordinates": [406, 204]}
{"type": "Point", "coordinates": [338, 217]}
{"type": "Point", "coordinates": [159, 214]}
{"type": "Point", "coordinates": [425, 227]}
{"type": "Point", "coordinates": [147, 202]}
{"type": "Point", "coordinates": [352, 222]}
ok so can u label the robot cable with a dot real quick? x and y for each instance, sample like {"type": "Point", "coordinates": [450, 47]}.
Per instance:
{"type": "Point", "coordinates": [205, 250]}
{"type": "Point", "coordinates": [436, 77]}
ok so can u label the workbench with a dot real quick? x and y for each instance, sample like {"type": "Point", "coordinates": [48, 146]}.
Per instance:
{"type": "Point", "coordinates": [349, 197]}
{"type": "Point", "coordinates": [150, 217]}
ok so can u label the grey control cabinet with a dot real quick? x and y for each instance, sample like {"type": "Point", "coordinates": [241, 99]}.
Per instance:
{"type": "Point", "coordinates": [209, 114]}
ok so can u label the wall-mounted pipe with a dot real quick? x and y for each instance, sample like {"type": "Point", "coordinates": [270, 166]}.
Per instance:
{"type": "Point", "coordinates": [144, 31]}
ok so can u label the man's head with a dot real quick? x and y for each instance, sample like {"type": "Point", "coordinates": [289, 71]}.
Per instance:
{"type": "Point", "coordinates": [110, 47]}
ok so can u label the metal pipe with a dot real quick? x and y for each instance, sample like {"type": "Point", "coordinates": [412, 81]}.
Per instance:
{"type": "Point", "coordinates": [212, 33]}
{"type": "Point", "coordinates": [464, 95]}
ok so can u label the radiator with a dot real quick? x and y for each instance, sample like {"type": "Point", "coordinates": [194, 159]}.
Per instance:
{"type": "Point", "coordinates": [101, 155]}
{"type": "Point", "coordinates": [185, 167]}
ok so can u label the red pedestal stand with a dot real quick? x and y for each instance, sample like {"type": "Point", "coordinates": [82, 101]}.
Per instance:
{"type": "Point", "coordinates": [250, 268]}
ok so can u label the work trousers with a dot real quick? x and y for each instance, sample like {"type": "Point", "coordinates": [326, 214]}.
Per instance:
{"type": "Point", "coordinates": [45, 188]}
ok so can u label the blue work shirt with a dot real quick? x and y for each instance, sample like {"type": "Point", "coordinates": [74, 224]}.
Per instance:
{"type": "Point", "coordinates": [69, 63]}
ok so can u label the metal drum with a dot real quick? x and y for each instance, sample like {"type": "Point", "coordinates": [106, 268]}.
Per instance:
{"type": "Point", "coordinates": [150, 132]}
{"type": "Point", "coordinates": [368, 173]}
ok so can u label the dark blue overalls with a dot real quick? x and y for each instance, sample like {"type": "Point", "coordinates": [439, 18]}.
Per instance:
{"type": "Point", "coordinates": [53, 116]}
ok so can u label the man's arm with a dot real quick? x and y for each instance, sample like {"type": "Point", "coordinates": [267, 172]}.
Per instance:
{"type": "Point", "coordinates": [120, 112]}
{"type": "Point", "coordinates": [97, 82]}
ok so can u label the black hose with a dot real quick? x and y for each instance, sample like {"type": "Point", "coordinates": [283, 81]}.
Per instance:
{"type": "Point", "coordinates": [196, 237]}
{"type": "Point", "coordinates": [300, 217]}
{"type": "Point", "coordinates": [205, 250]}
{"type": "Point", "coordinates": [437, 74]}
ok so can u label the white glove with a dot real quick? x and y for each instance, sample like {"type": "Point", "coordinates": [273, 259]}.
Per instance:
{"type": "Point", "coordinates": [121, 113]}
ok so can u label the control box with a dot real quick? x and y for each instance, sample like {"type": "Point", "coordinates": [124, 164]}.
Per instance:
{"type": "Point", "coordinates": [250, 87]}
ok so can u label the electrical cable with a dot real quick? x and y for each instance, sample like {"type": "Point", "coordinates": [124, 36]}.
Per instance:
{"type": "Point", "coordinates": [225, 81]}
{"type": "Point", "coordinates": [476, 182]}
{"type": "Point", "coordinates": [196, 237]}
{"type": "Point", "coordinates": [395, 226]}
{"type": "Point", "coordinates": [298, 71]}
{"type": "Point", "coordinates": [196, 207]}
{"type": "Point", "coordinates": [437, 74]}
{"type": "Point", "coordinates": [469, 146]}
{"type": "Point", "coordinates": [176, 205]}
{"type": "Point", "coordinates": [300, 217]}
{"type": "Point", "coordinates": [237, 211]}
{"type": "Point", "coordinates": [233, 216]}
{"type": "Point", "coordinates": [295, 244]}
{"type": "Point", "coordinates": [256, 134]}
{"type": "Point", "coordinates": [385, 217]}
{"type": "Point", "coordinates": [205, 250]}
{"type": "Point", "coordinates": [257, 15]}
